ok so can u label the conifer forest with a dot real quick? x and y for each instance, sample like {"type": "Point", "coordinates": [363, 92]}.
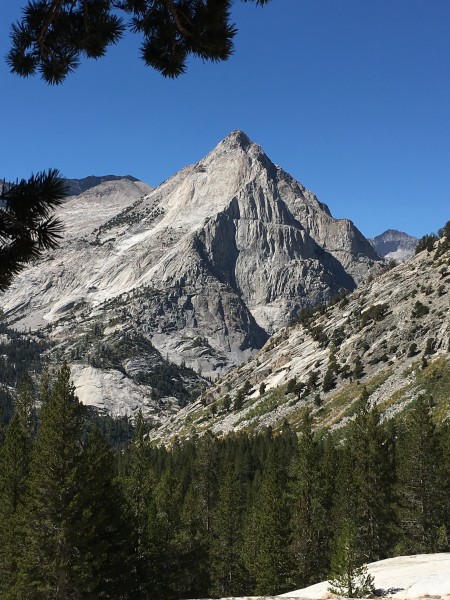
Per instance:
{"type": "Point", "coordinates": [85, 514]}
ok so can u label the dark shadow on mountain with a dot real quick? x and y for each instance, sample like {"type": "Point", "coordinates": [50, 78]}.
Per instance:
{"type": "Point", "coordinates": [78, 186]}
{"type": "Point", "coordinates": [381, 592]}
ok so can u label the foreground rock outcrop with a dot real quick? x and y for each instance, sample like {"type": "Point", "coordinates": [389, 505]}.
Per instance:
{"type": "Point", "coordinates": [403, 577]}
{"type": "Point", "coordinates": [417, 577]}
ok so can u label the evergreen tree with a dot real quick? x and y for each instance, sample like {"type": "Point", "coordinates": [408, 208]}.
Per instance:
{"type": "Point", "coordinates": [365, 482]}
{"type": "Point", "coordinates": [195, 544]}
{"type": "Point", "coordinates": [373, 479]}
{"type": "Point", "coordinates": [225, 558]}
{"type": "Point", "coordinates": [420, 475]}
{"type": "Point", "coordinates": [75, 537]}
{"type": "Point", "coordinates": [15, 459]}
{"type": "Point", "coordinates": [49, 565]}
{"type": "Point", "coordinates": [103, 568]}
{"type": "Point", "coordinates": [286, 444]}
{"type": "Point", "coordinates": [205, 478]}
{"type": "Point", "coordinates": [309, 539]}
{"type": "Point", "coordinates": [27, 226]}
{"type": "Point", "coordinates": [168, 543]}
{"type": "Point", "coordinates": [136, 482]}
{"type": "Point", "coordinates": [444, 533]}
{"type": "Point", "coordinates": [349, 577]}
{"type": "Point", "coordinates": [198, 510]}
{"type": "Point", "coordinates": [265, 552]}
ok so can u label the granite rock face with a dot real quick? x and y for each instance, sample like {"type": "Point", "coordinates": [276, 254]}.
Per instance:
{"type": "Point", "coordinates": [390, 336]}
{"type": "Point", "coordinates": [206, 266]}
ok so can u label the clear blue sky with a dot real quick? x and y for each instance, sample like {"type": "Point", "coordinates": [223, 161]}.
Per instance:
{"type": "Point", "coordinates": [351, 97]}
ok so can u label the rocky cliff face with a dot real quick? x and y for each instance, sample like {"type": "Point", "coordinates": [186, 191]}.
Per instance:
{"type": "Point", "coordinates": [206, 266]}
{"type": "Point", "coordinates": [395, 245]}
{"type": "Point", "coordinates": [392, 335]}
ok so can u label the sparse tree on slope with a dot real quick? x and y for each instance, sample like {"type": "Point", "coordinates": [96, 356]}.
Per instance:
{"type": "Point", "coordinates": [349, 577]}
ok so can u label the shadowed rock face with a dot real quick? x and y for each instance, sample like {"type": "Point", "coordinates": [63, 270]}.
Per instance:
{"type": "Point", "coordinates": [207, 265]}
{"type": "Point", "coordinates": [79, 186]}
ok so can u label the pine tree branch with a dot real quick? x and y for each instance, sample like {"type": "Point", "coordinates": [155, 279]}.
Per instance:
{"type": "Point", "coordinates": [53, 34]}
{"type": "Point", "coordinates": [27, 227]}
{"type": "Point", "coordinates": [44, 31]}
{"type": "Point", "coordinates": [174, 12]}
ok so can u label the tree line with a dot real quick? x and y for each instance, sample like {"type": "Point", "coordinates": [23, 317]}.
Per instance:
{"type": "Point", "coordinates": [242, 514]}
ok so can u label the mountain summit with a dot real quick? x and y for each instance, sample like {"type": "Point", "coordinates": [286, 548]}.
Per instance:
{"type": "Point", "coordinates": [204, 267]}
{"type": "Point", "coordinates": [395, 245]}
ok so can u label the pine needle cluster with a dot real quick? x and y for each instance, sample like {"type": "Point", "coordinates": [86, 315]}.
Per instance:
{"type": "Point", "coordinates": [27, 225]}
{"type": "Point", "coordinates": [54, 35]}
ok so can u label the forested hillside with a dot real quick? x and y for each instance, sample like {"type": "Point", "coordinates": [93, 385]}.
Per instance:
{"type": "Point", "coordinates": [242, 514]}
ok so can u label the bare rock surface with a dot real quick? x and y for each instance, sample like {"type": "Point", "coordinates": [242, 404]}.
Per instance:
{"type": "Point", "coordinates": [404, 577]}
{"type": "Point", "coordinates": [391, 335]}
{"type": "Point", "coordinates": [417, 577]}
{"type": "Point", "coordinates": [84, 212]}
{"type": "Point", "coordinates": [206, 266]}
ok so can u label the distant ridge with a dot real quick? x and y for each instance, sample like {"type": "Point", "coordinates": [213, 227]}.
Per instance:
{"type": "Point", "coordinates": [394, 244]}
{"type": "Point", "coordinates": [78, 186]}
